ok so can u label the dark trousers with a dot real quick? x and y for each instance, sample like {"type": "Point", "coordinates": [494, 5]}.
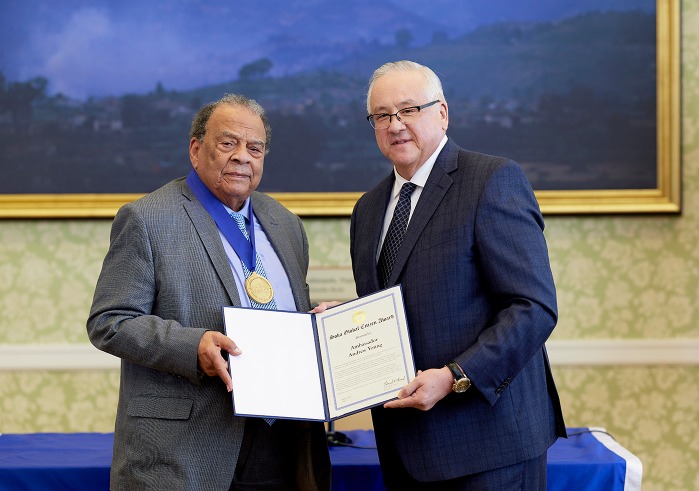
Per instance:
{"type": "Point", "coordinates": [524, 476]}
{"type": "Point", "coordinates": [286, 456]}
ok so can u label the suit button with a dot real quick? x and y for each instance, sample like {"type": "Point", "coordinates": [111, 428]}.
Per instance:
{"type": "Point", "coordinates": [503, 386]}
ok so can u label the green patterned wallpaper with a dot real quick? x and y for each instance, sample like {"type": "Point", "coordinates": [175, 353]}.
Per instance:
{"type": "Point", "coordinates": [617, 277]}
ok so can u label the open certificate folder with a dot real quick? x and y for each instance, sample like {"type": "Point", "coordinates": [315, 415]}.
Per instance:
{"type": "Point", "coordinates": [320, 367]}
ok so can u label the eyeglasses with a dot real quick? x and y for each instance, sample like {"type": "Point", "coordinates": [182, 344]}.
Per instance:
{"type": "Point", "coordinates": [406, 115]}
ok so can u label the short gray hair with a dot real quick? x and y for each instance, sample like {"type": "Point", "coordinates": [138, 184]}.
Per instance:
{"type": "Point", "coordinates": [433, 84]}
{"type": "Point", "coordinates": [198, 129]}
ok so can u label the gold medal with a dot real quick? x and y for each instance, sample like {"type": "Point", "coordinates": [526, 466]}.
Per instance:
{"type": "Point", "coordinates": [259, 288]}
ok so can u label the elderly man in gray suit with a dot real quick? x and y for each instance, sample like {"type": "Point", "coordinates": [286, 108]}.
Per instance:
{"type": "Point", "coordinates": [176, 257]}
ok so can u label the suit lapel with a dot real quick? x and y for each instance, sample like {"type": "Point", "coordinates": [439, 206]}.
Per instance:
{"type": "Point", "coordinates": [278, 237]}
{"type": "Point", "coordinates": [208, 233]}
{"type": "Point", "coordinates": [436, 187]}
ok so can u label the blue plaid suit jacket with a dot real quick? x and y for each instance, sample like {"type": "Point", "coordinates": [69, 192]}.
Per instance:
{"type": "Point", "coordinates": [478, 289]}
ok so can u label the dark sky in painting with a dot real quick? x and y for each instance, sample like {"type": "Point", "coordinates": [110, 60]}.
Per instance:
{"type": "Point", "coordinates": [566, 88]}
{"type": "Point", "coordinates": [110, 48]}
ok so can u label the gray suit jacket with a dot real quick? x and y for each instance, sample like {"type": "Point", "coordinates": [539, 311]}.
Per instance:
{"type": "Point", "coordinates": [478, 289]}
{"type": "Point", "coordinates": [164, 282]}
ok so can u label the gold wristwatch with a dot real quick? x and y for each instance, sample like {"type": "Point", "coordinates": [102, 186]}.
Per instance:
{"type": "Point", "coordinates": [461, 381]}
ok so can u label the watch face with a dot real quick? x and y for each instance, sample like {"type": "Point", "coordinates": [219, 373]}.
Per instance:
{"type": "Point", "coordinates": [462, 385]}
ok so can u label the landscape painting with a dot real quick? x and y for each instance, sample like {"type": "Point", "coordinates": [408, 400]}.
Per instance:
{"type": "Point", "coordinates": [97, 97]}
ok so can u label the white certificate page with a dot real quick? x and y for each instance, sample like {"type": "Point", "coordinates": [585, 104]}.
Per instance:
{"type": "Point", "coordinates": [366, 352]}
{"type": "Point", "coordinates": [277, 373]}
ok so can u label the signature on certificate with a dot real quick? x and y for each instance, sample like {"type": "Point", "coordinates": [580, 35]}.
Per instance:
{"type": "Point", "coordinates": [393, 381]}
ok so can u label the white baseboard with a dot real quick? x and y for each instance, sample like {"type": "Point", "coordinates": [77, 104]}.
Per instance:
{"type": "Point", "coordinates": [57, 357]}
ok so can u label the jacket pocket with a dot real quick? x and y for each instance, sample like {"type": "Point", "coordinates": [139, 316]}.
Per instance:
{"type": "Point", "coordinates": [160, 407]}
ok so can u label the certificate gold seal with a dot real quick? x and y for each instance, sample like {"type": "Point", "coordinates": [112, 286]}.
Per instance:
{"type": "Point", "coordinates": [259, 288]}
{"type": "Point", "coordinates": [359, 317]}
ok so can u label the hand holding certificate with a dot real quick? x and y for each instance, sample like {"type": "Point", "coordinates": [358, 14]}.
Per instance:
{"type": "Point", "coordinates": [320, 366]}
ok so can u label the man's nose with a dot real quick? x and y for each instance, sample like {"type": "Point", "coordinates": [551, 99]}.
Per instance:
{"type": "Point", "coordinates": [240, 155]}
{"type": "Point", "coordinates": [395, 124]}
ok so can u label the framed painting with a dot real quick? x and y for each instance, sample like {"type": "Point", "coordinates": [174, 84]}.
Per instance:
{"type": "Point", "coordinates": [96, 99]}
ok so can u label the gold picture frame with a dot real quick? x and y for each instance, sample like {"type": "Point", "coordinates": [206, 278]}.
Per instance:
{"type": "Point", "coordinates": [665, 198]}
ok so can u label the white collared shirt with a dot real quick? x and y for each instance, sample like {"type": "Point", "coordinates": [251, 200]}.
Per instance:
{"type": "Point", "coordinates": [419, 179]}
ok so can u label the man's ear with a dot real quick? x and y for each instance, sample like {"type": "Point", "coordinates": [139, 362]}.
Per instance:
{"type": "Point", "coordinates": [194, 147]}
{"type": "Point", "coordinates": [444, 113]}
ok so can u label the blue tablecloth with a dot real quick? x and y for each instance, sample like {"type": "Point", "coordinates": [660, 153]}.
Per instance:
{"type": "Point", "coordinates": [581, 462]}
{"type": "Point", "coordinates": [52, 461]}
{"type": "Point", "coordinates": [76, 461]}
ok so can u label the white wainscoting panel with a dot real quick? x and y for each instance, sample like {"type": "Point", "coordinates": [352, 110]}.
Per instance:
{"type": "Point", "coordinates": [590, 352]}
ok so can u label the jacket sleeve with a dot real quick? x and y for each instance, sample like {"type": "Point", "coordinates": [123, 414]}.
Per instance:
{"type": "Point", "coordinates": [122, 319]}
{"type": "Point", "coordinates": [513, 257]}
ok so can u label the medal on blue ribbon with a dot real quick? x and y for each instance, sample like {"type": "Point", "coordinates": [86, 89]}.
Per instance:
{"type": "Point", "coordinates": [257, 286]}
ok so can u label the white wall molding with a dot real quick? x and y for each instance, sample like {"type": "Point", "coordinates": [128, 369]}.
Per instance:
{"type": "Point", "coordinates": [590, 352]}
{"type": "Point", "coordinates": [22, 357]}
{"type": "Point", "coordinates": [676, 351]}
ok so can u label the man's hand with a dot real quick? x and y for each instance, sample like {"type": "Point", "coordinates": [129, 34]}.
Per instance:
{"type": "Point", "coordinates": [323, 306]}
{"type": "Point", "coordinates": [209, 356]}
{"type": "Point", "coordinates": [425, 390]}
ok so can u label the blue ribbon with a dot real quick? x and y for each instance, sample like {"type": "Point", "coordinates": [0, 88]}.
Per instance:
{"type": "Point", "coordinates": [243, 247]}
